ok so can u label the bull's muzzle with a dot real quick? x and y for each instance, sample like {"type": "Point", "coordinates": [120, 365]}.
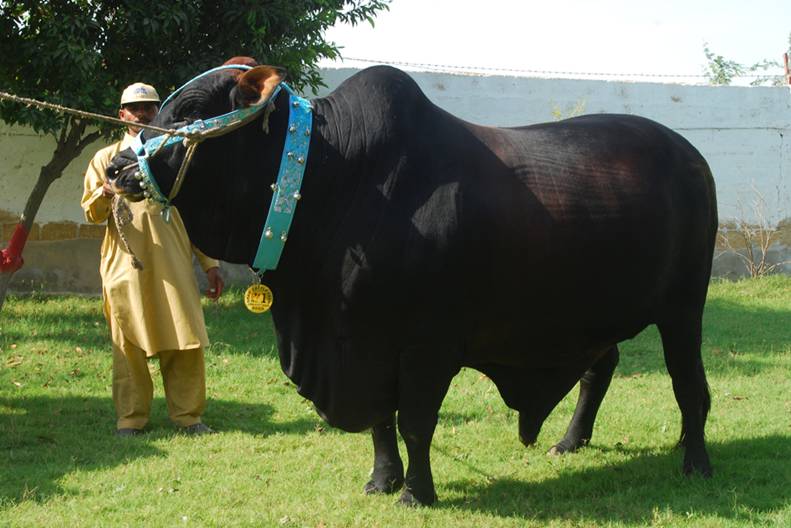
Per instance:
{"type": "Point", "coordinates": [125, 181]}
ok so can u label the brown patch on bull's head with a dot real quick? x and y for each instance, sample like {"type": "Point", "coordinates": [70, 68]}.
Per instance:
{"type": "Point", "coordinates": [244, 61]}
{"type": "Point", "coordinates": [256, 86]}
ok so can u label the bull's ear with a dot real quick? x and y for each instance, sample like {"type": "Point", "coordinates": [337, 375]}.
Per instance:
{"type": "Point", "coordinates": [246, 61]}
{"type": "Point", "coordinates": [256, 85]}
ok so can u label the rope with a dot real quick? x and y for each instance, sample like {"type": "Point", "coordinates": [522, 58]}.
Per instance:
{"type": "Point", "coordinates": [123, 216]}
{"type": "Point", "coordinates": [192, 145]}
{"type": "Point", "coordinates": [88, 115]}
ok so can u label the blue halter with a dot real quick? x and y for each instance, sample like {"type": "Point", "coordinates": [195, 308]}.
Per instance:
{"type": "Point", "coordinates": [289, 178]}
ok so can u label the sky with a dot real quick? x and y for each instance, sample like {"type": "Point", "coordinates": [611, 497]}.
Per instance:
{"type": "Point", "coordinates": [664, 37]}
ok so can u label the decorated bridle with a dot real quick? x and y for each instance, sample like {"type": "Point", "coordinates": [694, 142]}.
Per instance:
{"type": "Point", "coordinates": [289, 178]}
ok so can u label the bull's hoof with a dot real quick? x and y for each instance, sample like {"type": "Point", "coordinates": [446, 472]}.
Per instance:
{"type": "Point", "coordinates": [699, 465]}
{"type": "Point", "coordinates": [567, 446]}
{"type": "Point", "coordinates": [413, 500]}
{"type": "Point", "coordinates": [384, 483]}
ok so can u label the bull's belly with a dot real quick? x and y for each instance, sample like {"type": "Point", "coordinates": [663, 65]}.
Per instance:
{"type": "Point", "coordinates": [544, 346]}
{"type": "Point", "coordinates": [353, 417]}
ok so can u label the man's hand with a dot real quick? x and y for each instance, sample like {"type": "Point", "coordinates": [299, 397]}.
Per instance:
{"type": "Point", "coordinates": [107, 190]}
{"type": "Point", "coordinates": [216, 283]}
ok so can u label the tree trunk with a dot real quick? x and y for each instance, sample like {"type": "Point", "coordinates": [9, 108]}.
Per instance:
{"type": "Point", "coordinates": [70, 144]}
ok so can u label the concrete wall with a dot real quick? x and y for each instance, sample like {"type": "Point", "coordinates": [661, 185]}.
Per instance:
{"type": "Point", "coordinates": [744, 133]}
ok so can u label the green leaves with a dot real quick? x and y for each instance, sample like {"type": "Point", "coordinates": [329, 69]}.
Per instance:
{"type": "Point", "coordinates": [722, 71]}
{"type": "Point", "coordinates": [82, 53]}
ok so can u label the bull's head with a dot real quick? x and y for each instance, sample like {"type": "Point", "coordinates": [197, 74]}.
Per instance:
{"type": "Point", "coordinates": [216, 180]}
{"type": "Point", "coordinates": [214, 95]}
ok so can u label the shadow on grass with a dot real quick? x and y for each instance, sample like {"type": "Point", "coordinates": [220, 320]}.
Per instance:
{"type": "Point", "coordinates": [69, 328]}
{"type": "Point", "coordinates": [42, 439]}
{"type": "Point", "coordinates": [750, 480]}
{"type": "Point", "coordinates": [232, 328]}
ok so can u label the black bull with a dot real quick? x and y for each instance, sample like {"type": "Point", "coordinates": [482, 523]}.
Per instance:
{"type": "Point", "coordinates": [424, 244]}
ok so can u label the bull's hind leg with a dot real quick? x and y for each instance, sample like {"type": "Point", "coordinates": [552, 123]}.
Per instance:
{"type": "Point", "coordinates": [681, 339]}
{"type": "Point", "coordinates": [593, 387]}
{"type": "Point", "coordinates": [388, 473]}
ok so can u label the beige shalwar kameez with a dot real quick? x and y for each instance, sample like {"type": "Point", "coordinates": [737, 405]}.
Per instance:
{"type": "Point", "coordinates": [155, 311]}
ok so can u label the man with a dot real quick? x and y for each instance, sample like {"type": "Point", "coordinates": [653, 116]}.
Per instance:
{"type": "Point", "coordinates": [154, 311]}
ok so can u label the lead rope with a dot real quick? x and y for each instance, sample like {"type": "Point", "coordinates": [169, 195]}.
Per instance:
{"type": "Point", "coordinates": [192, 145]}
{"type": "Point", "coordinates": [123, 217]}
{"type": "Point", "coordinates": [5, 96]}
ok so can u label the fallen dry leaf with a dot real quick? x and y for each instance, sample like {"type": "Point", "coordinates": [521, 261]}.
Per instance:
{"type": "Point", "coordinates": [13, 361]}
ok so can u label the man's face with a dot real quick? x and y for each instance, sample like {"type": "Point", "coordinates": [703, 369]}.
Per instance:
{"type": "Point", "coordinates": [139, 113]}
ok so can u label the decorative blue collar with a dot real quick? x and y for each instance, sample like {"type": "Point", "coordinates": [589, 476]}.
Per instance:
{"type": "Point", "coordinates": [288, 185]}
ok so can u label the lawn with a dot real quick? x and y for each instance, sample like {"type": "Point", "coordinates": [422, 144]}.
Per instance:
{"type": "Point", "coordinates": [274, 462]}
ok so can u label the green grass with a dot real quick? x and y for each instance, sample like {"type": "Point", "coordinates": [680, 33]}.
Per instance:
{"type": "Point", "coordinates": [276, 464]}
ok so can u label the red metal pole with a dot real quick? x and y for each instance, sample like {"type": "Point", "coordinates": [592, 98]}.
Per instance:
{"type": "Point", "coordinates": [11, 257]}
{"type": "Point", "coordinates": [788, 71]}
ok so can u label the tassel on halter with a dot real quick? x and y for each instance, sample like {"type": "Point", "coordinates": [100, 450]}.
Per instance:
{"type": "Point", "coordinates": [123, 216]}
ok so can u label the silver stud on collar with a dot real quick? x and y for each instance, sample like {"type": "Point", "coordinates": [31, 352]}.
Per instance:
{"type": "Point", "coordinates": [297, 196]}
{"type": "Point", "coordinates": [292, 128]}
{"type": "Point", "coordinates": [268, 233]}
{"type": "Point", "coordinates": [295, 104]}
{"type": "Point", "coordinates": [273, 187]}
{"type": "Point", "coordinates": [300, 160]}
{"type": "Point", "coordinates": [283, 236]}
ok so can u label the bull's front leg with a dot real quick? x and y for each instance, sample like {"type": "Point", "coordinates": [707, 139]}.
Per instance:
{"type": "Point", "coordinates": [388, 473]}
{"type": "Point", "coordinates": [424, 379]}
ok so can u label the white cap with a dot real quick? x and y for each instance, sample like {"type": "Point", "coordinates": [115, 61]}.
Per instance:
{"type": "Point", "coordinates": [139, 93]}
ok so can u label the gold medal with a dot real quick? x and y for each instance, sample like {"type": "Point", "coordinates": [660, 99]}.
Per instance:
{"type": "Point", "coordinates": [258, 298]}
